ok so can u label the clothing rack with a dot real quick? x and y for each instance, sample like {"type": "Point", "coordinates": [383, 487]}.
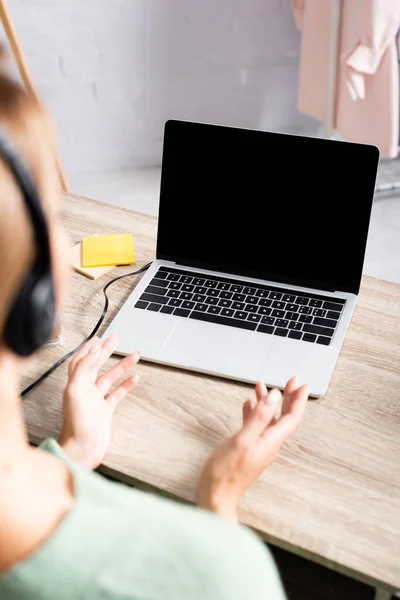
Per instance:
{"type": "Point", "coordinates": [389, 169]}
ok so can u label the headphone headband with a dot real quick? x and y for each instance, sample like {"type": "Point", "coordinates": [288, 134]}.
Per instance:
{"type": "Point", "coordinates": [24, 180]}
{"type": "Point", "coordinates": [31, 318]}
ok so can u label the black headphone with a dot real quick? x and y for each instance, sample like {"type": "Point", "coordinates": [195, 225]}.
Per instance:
{"type": "Point", "coordinates": [32, 315]}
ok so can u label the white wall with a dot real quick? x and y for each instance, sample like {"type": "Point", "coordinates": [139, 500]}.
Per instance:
{"type": "Point", "coordinates": [112, 71]}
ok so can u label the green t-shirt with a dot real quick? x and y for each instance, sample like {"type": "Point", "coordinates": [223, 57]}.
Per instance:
{"type": "Point", "coordinates": [120, 543]}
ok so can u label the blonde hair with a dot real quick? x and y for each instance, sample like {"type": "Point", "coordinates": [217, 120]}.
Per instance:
{"type": "Point", "coordinates": [28, 127]}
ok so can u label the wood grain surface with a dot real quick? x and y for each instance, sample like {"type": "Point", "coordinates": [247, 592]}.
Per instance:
{"type": "Point", "coordinates": [333, 494]}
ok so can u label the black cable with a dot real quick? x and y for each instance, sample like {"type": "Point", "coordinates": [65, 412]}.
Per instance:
{"type": "Point", "coordinates": [89, 337]}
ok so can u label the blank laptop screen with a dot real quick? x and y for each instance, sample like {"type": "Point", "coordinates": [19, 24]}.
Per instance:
{"type": "Point", "coordinates": [266, 205]}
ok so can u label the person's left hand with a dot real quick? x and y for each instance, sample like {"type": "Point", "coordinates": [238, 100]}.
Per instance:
{"type": "Point", "coordinates": [89, 404]}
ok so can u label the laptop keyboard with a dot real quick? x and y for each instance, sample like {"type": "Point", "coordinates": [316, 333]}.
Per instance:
{"type": "Point", "coordinates": [263, 308]}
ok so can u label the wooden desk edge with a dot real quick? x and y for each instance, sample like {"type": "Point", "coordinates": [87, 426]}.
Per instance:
{"type": "Point", "coordinates": [138, 484]}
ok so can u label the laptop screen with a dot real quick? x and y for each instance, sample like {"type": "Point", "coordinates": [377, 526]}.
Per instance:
{"type": "Point", "coordinates": [266, 205]}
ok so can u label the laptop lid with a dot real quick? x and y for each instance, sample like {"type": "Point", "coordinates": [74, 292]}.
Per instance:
{"type": "Point", "coordinates": [272, 206]}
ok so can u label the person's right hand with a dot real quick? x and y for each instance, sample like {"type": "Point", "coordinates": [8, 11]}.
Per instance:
{"type": "Point", "coordinates": [241, 459]}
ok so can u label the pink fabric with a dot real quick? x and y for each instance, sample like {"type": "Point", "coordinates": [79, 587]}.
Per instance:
{"type": "Point", "coordinates": [367, 107]}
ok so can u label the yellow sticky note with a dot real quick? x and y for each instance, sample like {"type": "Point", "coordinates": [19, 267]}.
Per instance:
{"type": "Point", "coordinates": [105, 250]}
{"type": "Point", "coordinates": [75, 260]}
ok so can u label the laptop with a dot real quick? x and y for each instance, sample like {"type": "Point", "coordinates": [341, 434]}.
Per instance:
{"type": "Point", "coordinates": [260, 250]}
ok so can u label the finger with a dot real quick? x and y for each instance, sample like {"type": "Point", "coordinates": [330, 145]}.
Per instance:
{"type": "Point", "coordinates": [277, 433]}
{"type": "Point", "coordinates": [257, 421]}
{"type": "Point", "coordinates": [291, 386]}
{"type": "Point", "coordinates": [106, 350]}
{"type": "Point", "coordinates": [121, 391]}
{"type": "Point", "coordinates": [274, 399]}
{"type": "Point", "coordinates": [246, 410]}
{"type": "Point", "coordinates": [86, 362]}
{"type": "Point", "coordinates": [261, 391]}
{"type": "Point", "coordinates": [82, 352]}
{"type": "Point", "coordinates": [106, 380]}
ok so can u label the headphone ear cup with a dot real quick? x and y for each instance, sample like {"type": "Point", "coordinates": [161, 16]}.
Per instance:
{"type": "Point", "coordinates": [31, 319]}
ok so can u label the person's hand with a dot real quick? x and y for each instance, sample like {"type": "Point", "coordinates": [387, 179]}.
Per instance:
{"type": "Point", "coordinates": [239, 460]}
{"type": "Point", "coordinates": [89, 402]}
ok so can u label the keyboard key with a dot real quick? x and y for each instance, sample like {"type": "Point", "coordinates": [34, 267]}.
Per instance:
{"type": "Point", "coordinates": [175, 302]}
{"type": "Point", "coordinates": [141, 304]}
{"type": "Point", "coordinates": [252, 300]}
{"type": "Point", "coordinates": [167, 309]}
{"type": "Point", "coordinates": [185, 296]}
{"type": "Point", "coordinates": [154, 307]}
{"type": "Point", "coordinates": [215, 293]}
{"type": "Point", "coordinates": [251, 308]}
{"type": "Point", "coordinates": [174, 286]}
{"type": "Point", "coordinates": [288, 297]}
{"type": "Point", "coordinates": [200, 290]}
{"type": "Point", "coordinates": [262, 293]}
{"type": "Point", "coordinates": [225, 303]}
{"type": "Point", "coordinates": [187, 288]}
{"type": "Point", "coordinates": [278, 313]}
{"type": "Point", "coordinates": [237, 289]}
{"type": "Point", "coordinates": [238, 305]}
{"type": "Point", "coordinates": [153, 298]}
{"type": "Point", "coordinates": [265, 329]}
{"type": "Point", "coordinates": [292, 307]}
{"type": "Point", "coordinates": [223, 286]}
{"type": "Point", "coordinates": [239, 314]}
{"type": "Point", "coordinates": [268, 320]}
{"type": "Point", "coordinates": [210, 300]}
{"type": "Point", "coordinates": [292, 316]}
{"type": "Point", "coordinates": [210, 283]}
{"type": "Point", "coordinates": [277, 304]}
{"type": "Point", "coordinates": [282, 332]}
{"type": "Point", "coordinates": [264, 302]}
{"type": "Point", "coordinates": [295, 325]}
{"type": "Point", "coordinates": [226, 295]}
{"type": "Point", "coordinates": [188, 305]}
{"type": "Point", "coordinates": [173, 277]}
{"type": "Point", "coordinates": [333, 315]}
{"type": "Point", "coordinates": [161, 274]}
{"type": "Point", "coordinates": [249, 291]}
{"type": "Point", "coordinates": [201, 307]}
{"type": "Point", "coordinates": [238, 297]}
{"type": "Point", "coordinates": [319, 312]}
{"type": "Point", "coordinates": [317, 329]}
{"type": "Point", "coordinates": [199, 298]}
{"type": "Point", "coordinates": [185, 279]}
{"type": "Point", "coordinates": [306, 310]}
{"type": "Point", "coordinates": [263, 310]}
{"type": "Point", "coordinates": [275, 295]}
{"type": "Point", "coordinates": [173, 294]}
{"type": "Point", "coordinates": [214, 310]}
{"type": "Point", "coordinates": [309, 337]}
{"type": "Point", "coordinates": [315, 303]}
{"type": "Point", "coordinates": [323, 340]}
{"type": "Point", "coordinates": [181, 312]}
{"type": "Point", "coordinates": [227, 312]}
{"type": "Point", "coordinates": [332, 306]}
{"type": "Point", "coordinates": [159, 282]}
{"type": "Point", "coordinates": [324, 322]}
{"type": "Point", "coordinates": [201, 316]}
{"type": "Point", "coordinates": [301, 300]}
{"type": "Point", "coordinates": [295, 335]}
{"type": "Point", "coordinates": [282, 323]}
{"type": "Point", "coordinates": [198, 281]}
{"type": "Point", "coordinates": [305, 318]}
{"type": "Point", "coordinates": [254, 318]}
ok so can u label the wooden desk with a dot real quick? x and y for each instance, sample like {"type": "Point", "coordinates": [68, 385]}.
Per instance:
{"type": "Point", "coordinates": [333, 495]}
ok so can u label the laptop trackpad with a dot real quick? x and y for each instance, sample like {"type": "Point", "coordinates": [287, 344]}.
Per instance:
{"type": "Point", "coordinates": [218, 349]}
